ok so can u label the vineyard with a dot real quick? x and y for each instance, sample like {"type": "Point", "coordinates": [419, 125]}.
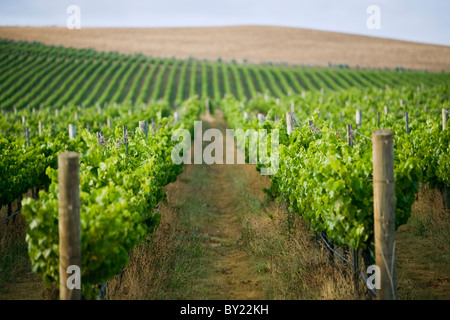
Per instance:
{"type": "Point", "coordinates": [118, 112]}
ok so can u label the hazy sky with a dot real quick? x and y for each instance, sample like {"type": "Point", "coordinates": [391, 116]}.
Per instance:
{"type": "Point", "coordinates": [413, 20]}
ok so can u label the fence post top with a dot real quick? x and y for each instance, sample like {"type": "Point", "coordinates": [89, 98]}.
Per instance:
{"type": "Point", "coordinates": [68, 155]}
{"type": "Point", "coordinates": [382, 133]}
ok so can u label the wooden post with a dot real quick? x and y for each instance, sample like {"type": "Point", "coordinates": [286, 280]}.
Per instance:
{"type": "Point", "coordinates": [143, 126]}
{"type": "Point", "coordinates": [24, 120]}
{"type": "Point", "coordinates": [69, 221]}
{"type": "Point", "coordinates": [176, 117]}
{"type": "Point", "coordinates": [406, 122]}
{"type": "Point", "coordinates": [245, 115]}
{"type": "Point", "coordinates": [358, 118]}
{"type": "Point", "coordinates": [153, 125]}
{"type": "Point", "coordinates": [56, 112]}
{"type": "Point", "coordinates": [384, 212]}
{"type": "Point", "coordinates": [15, 111]}
{"type": "Point", "coordinates": [289, 122]}
{"type": "Point", "coordinates": [444, 118]}
{"type": "Point", "coordinates": [72, 131]}
{"type": "Point", "coordinates": [108, 123]}
{"type": "Point", "coordinates": [386, 110]}
{"type": "Point", "coordinates": [349, 135]}
{"type": "Point", "coordinates": [76, 116]}
{"type": "Point", "coordinates": [260, 118]}
{"type": "Point", "coordinates": [99, 109]}
{"type": "Point", "coordinates": [100, 139]}
{"type": "Point", "coordinates": [354, 251]}
{"type": "Point", "coordinates": [292, 107]}
{"type": "Point", "coordinates": [40, 128]}
{"type": "Point", "coordinates": [130, 112]}
{"type": "Point", "coordinates": [125, 138]}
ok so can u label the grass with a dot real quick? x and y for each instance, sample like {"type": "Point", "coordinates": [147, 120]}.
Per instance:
{"type": "Point", "coordinates": [16, 279]}
{"type": "Point", "coordinates": [423, 246]}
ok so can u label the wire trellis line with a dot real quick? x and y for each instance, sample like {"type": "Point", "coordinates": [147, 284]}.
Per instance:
{"type": "Point", "coordinates": [13, 215]}
{"type": "Point", "coordinates": [349, 262]}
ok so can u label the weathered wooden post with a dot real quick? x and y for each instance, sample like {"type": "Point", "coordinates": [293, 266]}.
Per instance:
{"type": "Point", "coordinates": [289, 122]}
{"type": "Point", "coordinates": [292, 107]}
{"type": "Point", "coordinates": [40, 128]}
{"type": "Point", "coordinates": [358, 118]}
{"type": "Point", "coordinates": [176, 117]}
{"type": "Point", "coordinates": [386, 110]}
{"type": "Point", "coordinates": [69, 222]}
{"type": "Point", "coordinates": [444, 118]}
{"type": "Point", "coordinates": [143, 126]}
{"type": "Point", "coordinates": [349, 135]}
{"type": "Point", "coordinates": [384, 212]}
{"type": "Point", "coordinates": [245, 115]}
{"type": "Point", "coordinates": [125, 138]}
{"type": "Point", "coordinates": [72, 131]}
{"type": "Point", "coordinates": [108, 123]}
{"type": "Point", "coordinates": [406, 122]}
{"type": "Point", "coordinates": [260, 118]}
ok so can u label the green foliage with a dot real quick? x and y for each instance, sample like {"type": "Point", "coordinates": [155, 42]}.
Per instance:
{"type": "Point", "coordinates": [327, 182]}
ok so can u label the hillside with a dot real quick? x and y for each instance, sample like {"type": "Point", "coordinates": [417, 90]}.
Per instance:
{"type": "Point", "coordinates": [255, 44]}
{"type": "Point", "coordinates": [36, 75]}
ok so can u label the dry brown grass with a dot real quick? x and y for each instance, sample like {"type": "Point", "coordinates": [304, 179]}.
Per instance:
{"type": "Point", "coordinates": [256, 44]}
{"type": "Point", "coordinates": [423, 249]}
{"type": "Point", "coordinates": [17, 282]}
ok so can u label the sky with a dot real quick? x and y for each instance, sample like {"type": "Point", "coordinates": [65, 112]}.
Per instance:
{"type": "Point", "coordinates": [424, 21]}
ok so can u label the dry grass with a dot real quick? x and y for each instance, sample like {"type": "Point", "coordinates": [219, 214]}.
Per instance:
{"type": "Point", "coordinates": [423, 247]}
{"type": "Point", "coordinates": [256, 44]}
{"type": "Point", "coordinates": [17, 282]}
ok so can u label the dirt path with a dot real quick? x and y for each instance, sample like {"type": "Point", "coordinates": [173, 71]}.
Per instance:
{"type": "Point", "coordinates": [217, 199]}
{"type": "Point", "coordinates": [205, 221]}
